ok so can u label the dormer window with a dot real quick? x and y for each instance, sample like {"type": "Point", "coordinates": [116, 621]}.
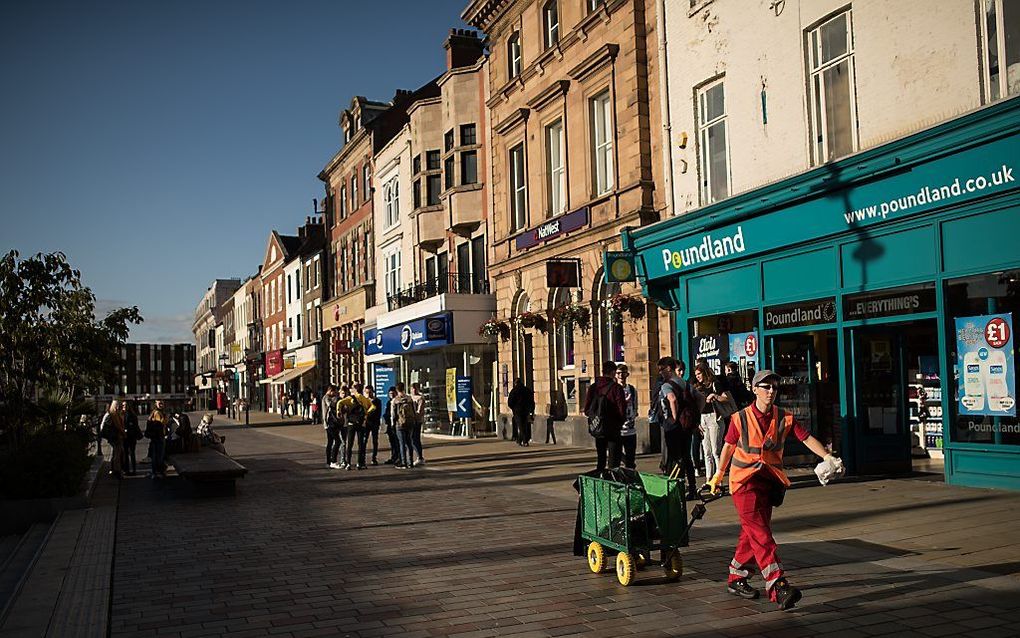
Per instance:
{"type": "Point", "coordinates": [513, 51]}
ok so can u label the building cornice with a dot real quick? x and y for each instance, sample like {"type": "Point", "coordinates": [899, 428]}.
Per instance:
{"type": "Point", "coordinates": [556, 89]}
{"type": "Point", "coordinates": [507, 124]}
{"type": "Point", "coordinates": [602, 57]}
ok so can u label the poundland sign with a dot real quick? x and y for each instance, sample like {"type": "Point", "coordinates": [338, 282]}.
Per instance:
{"type": "Point", "coordinates": [981, 170]}
{"type": "Point", "coordinates": [706, 250]}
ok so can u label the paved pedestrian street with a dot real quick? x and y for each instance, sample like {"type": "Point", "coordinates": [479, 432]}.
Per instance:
{"type": "Point", "coordinates": [478, 543]}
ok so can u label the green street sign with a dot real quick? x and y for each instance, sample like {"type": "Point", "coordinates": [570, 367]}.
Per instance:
{"type": "Point", "coordinates": [618, 267]}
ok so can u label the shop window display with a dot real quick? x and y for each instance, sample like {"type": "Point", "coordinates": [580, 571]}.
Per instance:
{"type": "Point", "coordinates": [991, 294]}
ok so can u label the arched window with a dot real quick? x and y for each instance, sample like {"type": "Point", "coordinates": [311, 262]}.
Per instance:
{"type": "Point", "coordinates": [522, 343]}
{"type": "Point", "coordinates": [563, 335]}
{"type": "Point", "coordinates": [513, 55]}
{"type": "Point", "coordinates": [610, 334]}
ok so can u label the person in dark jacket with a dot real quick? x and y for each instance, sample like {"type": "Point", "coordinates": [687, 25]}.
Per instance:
{"type": "Point", "coordinates": [738, 388]}
{"type": "Point", "coordinates": [521, 402]}
{"type": "Point", "coordinates": [615, 411]}
{"type": "Point", "coordinates": [133, 436]}
{"type": "Point", "coordinates": [372, 421]}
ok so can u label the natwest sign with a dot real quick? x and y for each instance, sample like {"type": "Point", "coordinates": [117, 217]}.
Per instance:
{"type": "Point", "coordinates": [553, 228]}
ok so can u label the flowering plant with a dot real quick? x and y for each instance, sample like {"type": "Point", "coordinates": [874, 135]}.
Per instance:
{"type": "Point", "coordinates": [529, 319]}
{"type": "Point", "coordinates": [495, 328]}
{"type": "Point", "coordinates": [617, 305]}
{"type": "Point", "coordinates": [575, 315]}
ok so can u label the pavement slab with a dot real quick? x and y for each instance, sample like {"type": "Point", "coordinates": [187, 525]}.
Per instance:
{"type": "Point", "coordinates": [478, 543]}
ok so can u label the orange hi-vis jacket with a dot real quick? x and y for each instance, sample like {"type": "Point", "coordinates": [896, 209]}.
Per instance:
{"type": "Point", "coordinates": [759, 451]}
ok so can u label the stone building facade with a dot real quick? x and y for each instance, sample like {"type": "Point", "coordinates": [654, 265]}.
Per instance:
{"type": "Point", "coordinates": [576, 155]}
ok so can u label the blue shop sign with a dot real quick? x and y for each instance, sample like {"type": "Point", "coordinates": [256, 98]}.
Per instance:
{"type": "Point", "coordinates": [419, 334]}
{"type": "Point", "coordinates": [463, 397]}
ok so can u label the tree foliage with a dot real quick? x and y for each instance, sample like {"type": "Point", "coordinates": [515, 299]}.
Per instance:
{"type": "Point", "coordinates": [53, 350]}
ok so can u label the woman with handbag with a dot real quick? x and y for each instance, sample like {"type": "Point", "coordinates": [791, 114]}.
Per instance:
{"type": "Point", "coordinates": [717, 406]}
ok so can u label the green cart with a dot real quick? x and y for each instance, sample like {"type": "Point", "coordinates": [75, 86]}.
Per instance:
{"type": "Point", "coordinates": [645, 513]}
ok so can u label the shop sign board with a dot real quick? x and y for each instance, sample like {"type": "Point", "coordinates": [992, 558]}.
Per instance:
{"type": "Point", "coordinates": [419, 334]}
{"type": "Point", "coordinates": [802, 313]}
{"type": "Point", "coordinates": [451, 389]}
{"type": "Point", "coordinates": [875, 305]}
{"type": "Point", "coordinates": [744, 349]}
{"type": "Point", "coordinates": [711, 348]}
{"type": "Point", "coordinates": [563, 273]}
{"type": "Point", "coordinates": [274, 363]}
{"type": "Point", "coordinates": [553, 228]}
{"type": "Point", "coordinates": [985, 360]}
{"type": "Point", "coordinates": [384, 378]}
{"type": "Point", "coordinates": [618, 267]}
{"type": "Point", "coordinates": [463, 397]}
{"type": "Point", "coordinates": [980, 171]}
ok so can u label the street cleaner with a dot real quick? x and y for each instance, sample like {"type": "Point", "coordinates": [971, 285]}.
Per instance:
{"type": "Point", "coordinates": [754, 443]}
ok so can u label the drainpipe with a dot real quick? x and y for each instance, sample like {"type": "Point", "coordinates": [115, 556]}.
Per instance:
{"type": "Point", "coordinates": [667, 144]}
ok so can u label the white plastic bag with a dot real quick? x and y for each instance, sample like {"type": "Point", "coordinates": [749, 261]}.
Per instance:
{"type": "Point", "coordinates": [830, 468]}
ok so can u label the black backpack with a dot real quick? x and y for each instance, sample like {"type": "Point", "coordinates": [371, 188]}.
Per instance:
{"type": "Point", "coordinates": [688, 418]}
{"type": "Point", "coordinates": [600, 414]}
{"type": "Point", "coordinates": [356, 415]}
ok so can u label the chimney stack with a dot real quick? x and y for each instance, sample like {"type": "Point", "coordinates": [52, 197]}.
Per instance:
{"type": "Point", "coordinates": [463, 48]}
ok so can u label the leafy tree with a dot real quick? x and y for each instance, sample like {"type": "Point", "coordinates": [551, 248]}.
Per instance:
{"type": "Point", "coordinates": [52, 348]}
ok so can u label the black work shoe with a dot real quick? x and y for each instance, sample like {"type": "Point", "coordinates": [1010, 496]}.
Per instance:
{"type": "Point", "coordinates": [786, 594]}
{"type": "Point", "coordinates": [743, 589]}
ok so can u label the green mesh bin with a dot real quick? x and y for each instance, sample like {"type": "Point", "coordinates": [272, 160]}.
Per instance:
{"type": "Point", "coordinates": [625, 517]}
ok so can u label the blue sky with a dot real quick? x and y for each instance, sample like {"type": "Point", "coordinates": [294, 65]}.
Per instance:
{"type": "Point", "coordinates": [158, 143]}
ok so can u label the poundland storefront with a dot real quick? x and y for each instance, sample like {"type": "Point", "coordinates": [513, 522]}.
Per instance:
{"type": "Point", "coordinates": [881, 287]}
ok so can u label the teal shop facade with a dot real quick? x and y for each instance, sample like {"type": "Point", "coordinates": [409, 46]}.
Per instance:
{"type": "Point", "coordinates": [847, 280]}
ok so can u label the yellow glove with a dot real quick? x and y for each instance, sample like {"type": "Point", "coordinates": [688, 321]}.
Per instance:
{"type": "Point", "coordinates": [713, 483]}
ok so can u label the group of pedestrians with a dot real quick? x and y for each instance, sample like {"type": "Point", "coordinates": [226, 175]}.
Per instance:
{"type": "Point", "coordinates": [354, 414]}
{"type": "Point", "coordinates": [165, 431]}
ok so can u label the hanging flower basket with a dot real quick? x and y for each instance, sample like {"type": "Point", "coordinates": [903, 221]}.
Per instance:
{"type": "Point", "coordinates": [532, 320]}
{"type": "Point", "coordinates": [495, 328]}
{"type": "Point", "coordinates": [575, 315]}
{"type": "Point", "coordinates": [619, 305]}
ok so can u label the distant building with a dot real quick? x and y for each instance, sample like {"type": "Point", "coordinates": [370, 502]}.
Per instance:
{"type": "Point", "coordinates": [150, 372]}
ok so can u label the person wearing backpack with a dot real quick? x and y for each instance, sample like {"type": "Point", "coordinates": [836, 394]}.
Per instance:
{"type": "Point", "coordinates": [678, 419]}
{"type": "Point", "coordinates": [331, 423]}
{"type": "Point", "coordinates": [606, 408]}
{"type": "Point", "coordinates": [357, 407]}
{"type": "Point", "coordinates": [405, 416]}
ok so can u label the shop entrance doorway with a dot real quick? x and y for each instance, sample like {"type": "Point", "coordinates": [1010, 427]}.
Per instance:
{"type": "Point", "coordinates": [895, 398]}
{"type": "Point", "coordinates": [808, 364]}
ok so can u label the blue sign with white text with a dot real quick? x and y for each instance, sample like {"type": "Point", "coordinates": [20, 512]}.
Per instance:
{"type": "Point", "coordinates": [984, 357]}
{"type": "Point", "coordinates": [463, 397]}
{"type": "Point", "coordinates": [384, 378]}
{"type": "Point", "coordinates": [419, 334]}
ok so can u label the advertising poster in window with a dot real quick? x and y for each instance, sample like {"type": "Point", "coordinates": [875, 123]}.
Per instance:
{"type": "Point", "coordinates": [712, 348]}
{"type": "Point", "coordinates": [984, 347]}
{"type": "Point", "coordinates": [744, 352]}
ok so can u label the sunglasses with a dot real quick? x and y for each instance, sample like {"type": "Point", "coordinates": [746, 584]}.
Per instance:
{"type": "Point", "coordinates": [768, 386]}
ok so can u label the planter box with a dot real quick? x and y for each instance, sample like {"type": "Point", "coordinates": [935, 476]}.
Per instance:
{"type": "Point", "coordinates": [16, 516]}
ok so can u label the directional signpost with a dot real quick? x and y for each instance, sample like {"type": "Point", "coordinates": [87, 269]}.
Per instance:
{"type": "Point", "coordinates": [463, 397]}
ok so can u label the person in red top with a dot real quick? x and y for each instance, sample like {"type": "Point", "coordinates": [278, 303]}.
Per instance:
{"type": "Point", "coordinates": [754, 444]}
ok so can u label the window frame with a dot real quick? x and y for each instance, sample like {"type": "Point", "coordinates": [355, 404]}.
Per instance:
{"type": "Point", "coordinates": [556, 179]}
{"type": "Point", "coordinates": [468, 128]}
{"type": "Point", "coordinates": [391, 202]}
{"type": "Point", "coordinates": [818, 123]}
{"type": "Point", "coordinates": [513, 52]}
{"type": "Point", "coordinates": [601, 114]}
{"type": "Point", "coordinates": [518, 188]}
{"type": "Point", "coordinates": [551, 24]}
{"type": "Point", "coordinates": [704, 128]}
{"type": "Point", "coordinates": [464, 173]}
{"type": "Point", "coordinates": [998, 88]}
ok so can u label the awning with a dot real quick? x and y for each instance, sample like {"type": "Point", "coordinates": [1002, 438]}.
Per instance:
{"type": "Point", "coordinates": [288, 375]}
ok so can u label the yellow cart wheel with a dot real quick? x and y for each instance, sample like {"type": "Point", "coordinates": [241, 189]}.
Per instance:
{"type": "Point", "coordinates": [673, 566]}
{"type": "Point", "coordinates": [596, 557]}
{"type": "Point", "coordinates": [625, 568]}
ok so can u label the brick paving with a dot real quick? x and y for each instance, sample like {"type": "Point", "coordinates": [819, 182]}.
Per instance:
{"type": "Point", "coordinates": [478, 544]}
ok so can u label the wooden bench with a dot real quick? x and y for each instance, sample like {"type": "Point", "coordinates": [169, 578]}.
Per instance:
{"type": "Point", "coordinates": [208, 467]}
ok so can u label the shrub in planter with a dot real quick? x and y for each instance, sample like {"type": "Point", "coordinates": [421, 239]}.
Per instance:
{"type": "Point", "coordinates": [532, 320]}
{"type": "Point", "coordinates": [49, 465]}
{"type": "Point", "coordinates": [495, 328]}
{"type": "Point", "coordinates": [575, 315]}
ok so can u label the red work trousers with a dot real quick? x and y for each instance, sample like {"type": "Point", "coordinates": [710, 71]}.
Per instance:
{"type": "Point", "coordinates": [756, 544]}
